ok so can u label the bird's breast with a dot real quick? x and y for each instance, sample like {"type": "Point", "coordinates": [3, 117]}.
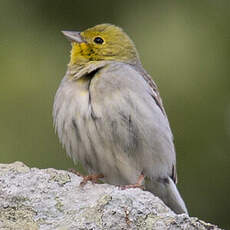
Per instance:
{"type": "Point", "coordinates": [112, 126]}
{"type": "Point", "coordinates": [71, 112]}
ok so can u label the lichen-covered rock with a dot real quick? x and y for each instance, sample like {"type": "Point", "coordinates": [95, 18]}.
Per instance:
{"type": "Point", "coordinates": [52, 199]}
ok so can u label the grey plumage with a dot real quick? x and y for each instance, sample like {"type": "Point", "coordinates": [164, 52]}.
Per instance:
{"type": "Point", "coordinates": [112, 120]}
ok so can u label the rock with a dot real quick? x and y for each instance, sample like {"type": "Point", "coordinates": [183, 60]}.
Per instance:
{"type": "Point", "coordinates": [32, 198]}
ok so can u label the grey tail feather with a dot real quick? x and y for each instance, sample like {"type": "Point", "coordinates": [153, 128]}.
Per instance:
{"type": "Point", "coordinates": [168, 192]}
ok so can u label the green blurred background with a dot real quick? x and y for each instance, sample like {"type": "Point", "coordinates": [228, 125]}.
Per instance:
{"type": "Point", "coordinates": [184, 45]}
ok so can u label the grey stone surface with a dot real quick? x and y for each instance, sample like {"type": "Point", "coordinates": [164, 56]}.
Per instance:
{"type": "Point", "coordinates": [32, 198]}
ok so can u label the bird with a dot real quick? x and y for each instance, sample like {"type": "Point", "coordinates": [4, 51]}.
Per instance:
{"type": "Point", "coordinates": [109, 115]}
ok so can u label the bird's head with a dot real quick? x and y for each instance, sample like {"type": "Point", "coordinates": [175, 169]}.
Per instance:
{"type": "Point", "coordinates": [104, 42]}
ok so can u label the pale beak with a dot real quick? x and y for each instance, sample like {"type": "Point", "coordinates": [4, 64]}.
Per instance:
{"type": "Point", "coordinates": [73, 36]}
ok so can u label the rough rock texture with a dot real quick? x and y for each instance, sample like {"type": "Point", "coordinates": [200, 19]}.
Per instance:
{"type": "Point", "coordinates": [52, 199]}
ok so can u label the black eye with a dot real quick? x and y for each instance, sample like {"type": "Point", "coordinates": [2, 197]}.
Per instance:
{"type": "Point", "coordinates": [98, 40]}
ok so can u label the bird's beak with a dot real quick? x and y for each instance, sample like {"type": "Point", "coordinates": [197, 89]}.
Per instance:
{"type": "Point", "coordinates": [73, 36]}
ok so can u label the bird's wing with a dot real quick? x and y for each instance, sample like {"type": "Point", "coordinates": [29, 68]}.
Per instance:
{"type": "Point", "coordinates": [155, 92]}
{"type": "Point", "coordinates": [156, 96]}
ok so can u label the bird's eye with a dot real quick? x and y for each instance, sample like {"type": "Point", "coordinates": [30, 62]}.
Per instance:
{"type": "Point", "coordinates": [98, 40]}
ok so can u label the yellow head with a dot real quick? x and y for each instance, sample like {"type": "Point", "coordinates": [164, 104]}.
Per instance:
{"type": "Point", "coordinates": [101, 42]}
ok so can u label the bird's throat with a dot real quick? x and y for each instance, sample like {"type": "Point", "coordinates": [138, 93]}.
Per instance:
{"type": "Point", "coordinates": [80, 53]}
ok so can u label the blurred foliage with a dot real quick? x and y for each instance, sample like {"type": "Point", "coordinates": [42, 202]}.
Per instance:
{"type": "Point", "coordinates": [185, 45]}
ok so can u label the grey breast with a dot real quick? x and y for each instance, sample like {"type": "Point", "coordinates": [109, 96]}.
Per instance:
{"type": "Point", "coordinates": [117, 129]}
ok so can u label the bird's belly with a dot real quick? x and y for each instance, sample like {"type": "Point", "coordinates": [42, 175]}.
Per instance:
{"type": "Point", "coordinates": [99, 150]}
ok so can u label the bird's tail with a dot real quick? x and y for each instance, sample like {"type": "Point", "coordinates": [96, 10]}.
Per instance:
{"type": "Point", "coordinates": [168, 192]}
